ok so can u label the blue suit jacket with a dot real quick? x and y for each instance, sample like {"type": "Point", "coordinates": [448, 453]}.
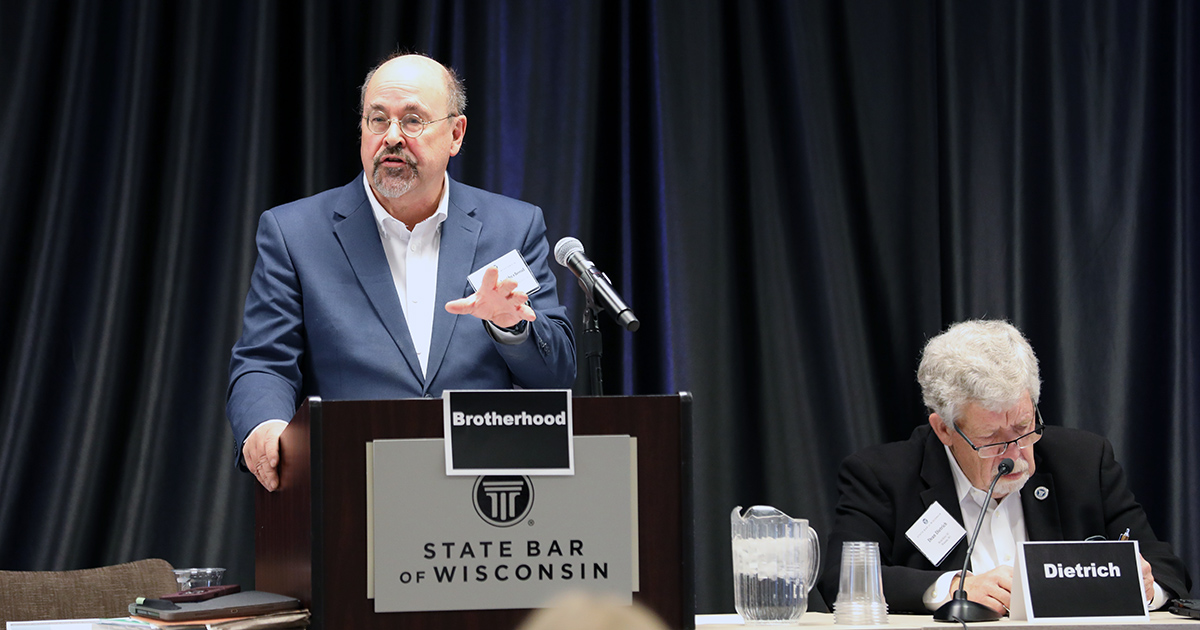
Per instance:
{"type": "Point", "coordinates": [322, 316]}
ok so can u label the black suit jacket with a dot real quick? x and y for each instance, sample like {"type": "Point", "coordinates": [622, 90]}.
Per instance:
{"type": "Point", "coordinates": [884, 489]}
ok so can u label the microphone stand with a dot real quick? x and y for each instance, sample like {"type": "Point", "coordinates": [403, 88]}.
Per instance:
{"type": "Point", "coordinates": [597, 288]}
{"type": "Point", "coordinates": [960, 609]}
{"type": "Point", "coordinates": [593, 347]}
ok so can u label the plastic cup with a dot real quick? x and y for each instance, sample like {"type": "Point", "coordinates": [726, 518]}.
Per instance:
{"type": "Point", "coordinates": [860, 599]}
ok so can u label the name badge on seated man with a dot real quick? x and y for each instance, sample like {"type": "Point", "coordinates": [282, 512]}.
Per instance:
{"type": "Point", "coordinates": [935, 533]}
{"type": "Point", "coordinates": [1078, 581]}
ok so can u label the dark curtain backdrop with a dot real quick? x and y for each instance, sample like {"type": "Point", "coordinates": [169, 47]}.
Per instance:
{"type": "Point", "coordinates": [793, 196]}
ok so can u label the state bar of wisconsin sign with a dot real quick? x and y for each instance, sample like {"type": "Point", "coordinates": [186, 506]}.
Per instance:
{"type": "Point", "coordinates": [499, 542]}
{"type": "Point", "coordinates": [1079, 581]}
{"type": "Point", "coordinates": [509, 432]}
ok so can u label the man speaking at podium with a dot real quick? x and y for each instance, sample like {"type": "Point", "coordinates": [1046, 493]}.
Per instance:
{"type": "Point", "coordinates": [980, 381]}
{"type": "Point", "coordinates": [357, 291]}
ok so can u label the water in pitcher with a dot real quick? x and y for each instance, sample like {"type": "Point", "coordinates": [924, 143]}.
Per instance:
{"type": "Point", "coordinates": [771, 600]}
{"type": "Point", "coordinates": [775, 561]}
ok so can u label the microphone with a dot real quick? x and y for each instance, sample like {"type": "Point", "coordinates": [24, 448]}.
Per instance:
{"type": "Point", "coordinates": [960, 609]}
{"type": "Point", "coordinates": [569, 253]}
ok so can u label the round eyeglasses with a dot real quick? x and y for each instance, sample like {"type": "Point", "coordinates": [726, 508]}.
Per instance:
{"type": "Point", "coordinates": [411, 125]}
{"type": "Point", "coordinates": [999, 448]}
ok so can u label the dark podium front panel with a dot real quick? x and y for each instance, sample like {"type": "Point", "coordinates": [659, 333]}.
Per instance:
{"type": "Point", "coordinates": [310, 538]}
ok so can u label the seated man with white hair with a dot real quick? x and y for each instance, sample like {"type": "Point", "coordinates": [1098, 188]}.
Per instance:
{"type": "Point", "coordinates": [980, 381]}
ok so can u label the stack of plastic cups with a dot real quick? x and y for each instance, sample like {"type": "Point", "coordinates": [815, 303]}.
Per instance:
{"type": "Point", "coordinates": [860, 591]}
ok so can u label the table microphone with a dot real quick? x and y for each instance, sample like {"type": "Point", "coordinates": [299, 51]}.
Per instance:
{"type": "Point", "coordinates": [960, 609]}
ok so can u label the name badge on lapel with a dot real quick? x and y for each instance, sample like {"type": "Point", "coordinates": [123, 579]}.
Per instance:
{"type": "Point", "coordinates": [935, 533]}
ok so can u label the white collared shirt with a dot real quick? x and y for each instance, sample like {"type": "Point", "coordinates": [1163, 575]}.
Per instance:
{"type": "Point", "coordinates": [1002, 531]}
{"type": "Point", "coordinates": [1000, 535]}
{"type": "Point", "coordinates": [413, 259]}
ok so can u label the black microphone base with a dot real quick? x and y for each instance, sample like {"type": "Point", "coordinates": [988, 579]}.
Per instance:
{"type": "Point", "coordinates": [964, 610]}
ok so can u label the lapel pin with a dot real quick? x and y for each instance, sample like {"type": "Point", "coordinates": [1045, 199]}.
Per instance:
{"type": "Point", "coordinates": [1041, 492]}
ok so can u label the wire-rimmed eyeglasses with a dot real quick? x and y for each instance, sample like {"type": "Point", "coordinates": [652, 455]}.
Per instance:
{"type": "Point", "coordinates": [411, 125]}
{"type": "Point", "coordinates": [989, 451]}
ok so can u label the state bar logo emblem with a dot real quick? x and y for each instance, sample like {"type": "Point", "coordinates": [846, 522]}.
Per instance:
{"type": "Point", "coordinates": [503, 500]}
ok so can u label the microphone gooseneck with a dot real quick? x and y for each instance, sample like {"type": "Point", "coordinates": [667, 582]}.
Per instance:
{"type": "Point", "coordinates": [960, 609]}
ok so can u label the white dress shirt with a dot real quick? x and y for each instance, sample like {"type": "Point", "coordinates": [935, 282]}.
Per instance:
{"type": "Point", "coordinates": [413, 259]}
{"type": "Point", "coordinates": [1000, 535]}
{"type": "Point", "coordinates": [1003, 529]}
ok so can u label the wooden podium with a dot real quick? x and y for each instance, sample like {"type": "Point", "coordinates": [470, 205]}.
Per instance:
{"type": "Point", "coordinates": [310, 534]}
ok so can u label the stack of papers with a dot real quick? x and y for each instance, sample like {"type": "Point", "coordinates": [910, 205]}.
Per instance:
{"type": "Point", "coordinates": [270, 621]}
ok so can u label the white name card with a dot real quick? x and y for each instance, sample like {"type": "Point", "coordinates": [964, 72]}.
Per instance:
{"type": "Point", "coordinates": [936, 533]}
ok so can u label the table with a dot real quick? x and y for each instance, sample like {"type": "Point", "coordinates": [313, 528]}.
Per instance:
{"type": "Point", "coordinates": [1158, 619]}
